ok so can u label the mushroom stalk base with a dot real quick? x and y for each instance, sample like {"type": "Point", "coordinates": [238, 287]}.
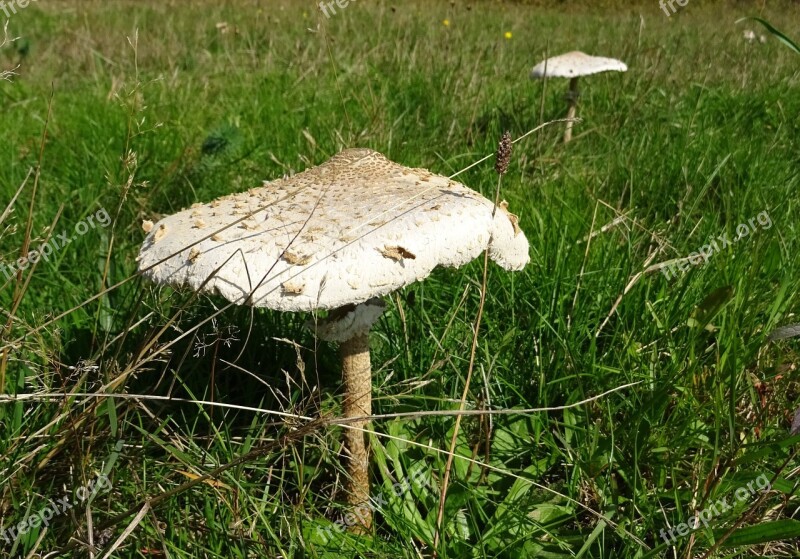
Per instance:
{"type": "Point", "coordinates": [350, 326]}
{"type": "Point", "coordinates": [572, 97]}
{"type": "Point", "coordinates": [357, 378]}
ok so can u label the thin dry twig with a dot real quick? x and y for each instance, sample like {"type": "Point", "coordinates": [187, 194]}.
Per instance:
{"type": "Point", "coordinates": [128, 530]}
{"type": "Point", "coordinates": [340, 421]}
{"type": "Point", "coordinates": [7, 74]}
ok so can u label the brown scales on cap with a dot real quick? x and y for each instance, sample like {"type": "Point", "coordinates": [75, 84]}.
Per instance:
{"type": "Point", "coordinates": [334, 228]}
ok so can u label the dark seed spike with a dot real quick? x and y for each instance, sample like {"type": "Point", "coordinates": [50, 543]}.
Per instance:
{"type": "Point", "coordinates": [503, 155]}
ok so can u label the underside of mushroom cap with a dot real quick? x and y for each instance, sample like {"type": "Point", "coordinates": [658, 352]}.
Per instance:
{"type": "Point", "coordinates": [346, 322]}
{"type": "Point", "coordinates": [353, 228]}
{"type": "Point", "coordinates": [575, 64]}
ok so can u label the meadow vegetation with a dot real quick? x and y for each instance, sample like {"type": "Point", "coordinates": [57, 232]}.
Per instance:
{"type": "Point", "coordinates": [664, 396]}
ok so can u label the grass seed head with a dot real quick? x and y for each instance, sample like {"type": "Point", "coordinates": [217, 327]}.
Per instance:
{"type": "Point", "coordinates": [503, 155]}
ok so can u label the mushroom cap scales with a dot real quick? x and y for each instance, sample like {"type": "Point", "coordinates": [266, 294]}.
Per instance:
{"type": "Point", "coordinates": [576, 64]}
{"type": "Point", "coordinates": [356, 227]}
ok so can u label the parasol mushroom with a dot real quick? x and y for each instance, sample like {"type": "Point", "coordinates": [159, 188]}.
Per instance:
{"type": "Point", "coordinates": [574, 65]}
{"type": "Point", "coordinates": [336, 237]}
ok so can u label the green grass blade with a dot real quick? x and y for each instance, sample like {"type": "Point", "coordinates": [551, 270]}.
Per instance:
{"type": "Point", "coordinates": [781, 37]}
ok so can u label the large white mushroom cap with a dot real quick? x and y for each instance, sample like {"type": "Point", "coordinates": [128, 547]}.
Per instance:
{"type": "Point", "coordinates": [576, 64]}
{"type": "Point", "coordinates": [356, 227]}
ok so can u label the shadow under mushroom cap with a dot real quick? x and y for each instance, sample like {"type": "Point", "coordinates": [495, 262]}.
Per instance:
{"type": "Point", "coordinates": [353, 228]}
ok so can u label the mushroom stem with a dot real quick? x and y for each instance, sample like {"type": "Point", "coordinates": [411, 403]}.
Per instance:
{"type": "Point", "coordinates": [357, 378]}
{"type": "Point", "coordinates": [350, 326]}
{"type": "Point", "coordinates": [572, 99]}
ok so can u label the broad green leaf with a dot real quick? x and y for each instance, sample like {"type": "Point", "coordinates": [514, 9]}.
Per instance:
{"type": "Point", "coordinates": [765, 532]}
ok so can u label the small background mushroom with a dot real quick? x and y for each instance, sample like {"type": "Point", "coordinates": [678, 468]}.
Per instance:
{"type": "Point", "coordinates": [574, 65]}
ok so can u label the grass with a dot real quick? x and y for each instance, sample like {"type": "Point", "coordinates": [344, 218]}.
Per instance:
{"type": "Point", "coordinates": [142, 108]}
